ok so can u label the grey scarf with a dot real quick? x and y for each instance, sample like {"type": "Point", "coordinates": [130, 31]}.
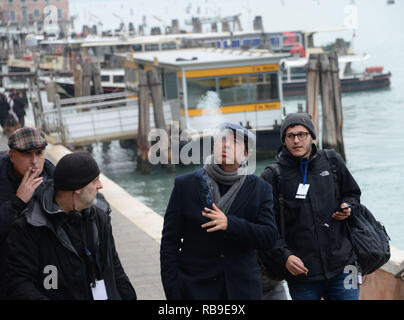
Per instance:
{"type": "Point", "coordinates": [216, 175]}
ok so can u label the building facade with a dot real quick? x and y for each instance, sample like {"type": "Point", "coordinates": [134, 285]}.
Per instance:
{"type": "Point", "coordinates": [29, 12]}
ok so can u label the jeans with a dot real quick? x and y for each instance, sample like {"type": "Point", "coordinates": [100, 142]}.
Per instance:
{"type": "Point", "coordinates": [329, 289]}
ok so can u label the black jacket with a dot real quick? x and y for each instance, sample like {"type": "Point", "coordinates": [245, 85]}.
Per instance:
{"type": "Point", "coordinates": [196, 264]}
{"type": "Point", "coordinates": [4, 109]}
{"type": "Point", "coordinates": [40, 239]}
{"type": "Point", "coordinates": [311, 234]}
{"type": "Point", "coordinates": [11, 206]}
{"type": "Point", "coordinates": [19, 107]}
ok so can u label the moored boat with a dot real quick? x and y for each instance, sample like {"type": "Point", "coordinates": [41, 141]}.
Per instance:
{"type": "Point", "coordinates": [294, 76]}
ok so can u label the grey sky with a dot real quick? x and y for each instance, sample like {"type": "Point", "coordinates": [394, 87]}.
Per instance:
{"type": "Point", "coordinates": [278, 15]}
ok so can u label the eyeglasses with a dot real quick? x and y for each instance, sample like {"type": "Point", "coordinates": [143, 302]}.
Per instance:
{"type": "Point", "coordinates": [300, 135]}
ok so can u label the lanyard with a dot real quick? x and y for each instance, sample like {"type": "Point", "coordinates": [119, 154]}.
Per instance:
{"type": "Point", "coordinates": [94, 268]}
{"type": "Point", "coordinates": [306, 164]}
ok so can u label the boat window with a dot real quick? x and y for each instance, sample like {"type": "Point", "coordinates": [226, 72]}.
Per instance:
{"type": "Point", "coordinates": [170, 81]}
{"type": "Point", "coordinates": [297, 73]}
{"type": "Point", "coordinates": [119, 79]}
{"type": "Point", "coordinates": [197, 89]}
{"type": "Point", "coordinates": [233, 90]}
{"type": "Point", "coordinates": [275, 42]}
{"type": "Point", "coordinates": [105, 78]}
{"type": "Point", "coordinates": [168, 46]}
{"type": "Point", "coordinates": [137, 47]}
{"type": "Point", "coordinates": [264, 87]}
{"type": "Point", "coordinates": [152, 47]}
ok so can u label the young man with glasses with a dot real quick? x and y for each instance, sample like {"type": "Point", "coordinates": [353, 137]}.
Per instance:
{"type": "Point", "coordinates": [315, 247]}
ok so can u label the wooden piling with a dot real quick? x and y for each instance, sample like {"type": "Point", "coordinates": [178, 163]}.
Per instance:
{"type": "Point", "coordinates": [78, 81]}
{"type": "Point", "coordinates": [331, 104]}
{"type": "Point", "coordinates": [158, 112]}
{"type": "Point", "coordinates": [96, 77]}
{"type": "Point", "coordinates": [322, 76]}
{"type": "Point", "coordinates": [337, 105]}
{"type": "Point", "coordinates": [60, 120]}
{"type": "Point", "coordinates": [86, 84]}
{"type": "Point", "coordinates": [329, 138]}
{"type": "Point", "coordinates": [312, 85]}
{"type": "Point", "coordinates": [143, 145]}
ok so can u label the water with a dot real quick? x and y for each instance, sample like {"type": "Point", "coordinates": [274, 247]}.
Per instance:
{"type": "Point", "coordinates": [373, 124]}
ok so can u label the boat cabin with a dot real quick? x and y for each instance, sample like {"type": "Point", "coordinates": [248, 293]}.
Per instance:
{"type": "Point", "coordinates": [209, 86]}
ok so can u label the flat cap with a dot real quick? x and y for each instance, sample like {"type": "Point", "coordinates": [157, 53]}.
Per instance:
{"type": "Point", "coordinates": [247, 135]}
{"type": "Point", "coordinates": [27, 139]}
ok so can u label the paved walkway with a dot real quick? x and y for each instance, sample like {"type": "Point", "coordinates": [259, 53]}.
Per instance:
{"type": "Point", "coordinates": [140, 257]}
{"type": "Point", "coordinates": [138, 252]}
{"type": "Point", "coordinates": [3, 141]}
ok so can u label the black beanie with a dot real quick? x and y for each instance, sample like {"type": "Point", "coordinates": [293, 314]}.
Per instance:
{"type": "Point", "coordinates": [74, 171]}
{"type": "Point", "coordinates": [294, 119]}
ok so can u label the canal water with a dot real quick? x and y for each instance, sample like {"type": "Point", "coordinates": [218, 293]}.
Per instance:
{"type": "Point", "coordinates": [373, 133]}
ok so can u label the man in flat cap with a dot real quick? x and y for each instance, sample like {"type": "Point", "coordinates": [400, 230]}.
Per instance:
{"type": "Point", "coordinates": [63, 248]}
{"type": "Point", "coordinates": [216, 217]}
{"type": "Point", "coordinates": [23, 169]}
{"type": "Point", "coordinates": [315, 246]}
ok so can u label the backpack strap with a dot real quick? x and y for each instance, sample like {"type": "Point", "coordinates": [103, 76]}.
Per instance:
{"type": "Point", "coordinates": [331, 157]}
{"type": "Point", "coordinates": [278, 178]}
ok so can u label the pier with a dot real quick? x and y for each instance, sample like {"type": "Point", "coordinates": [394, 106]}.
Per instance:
{"type": "Point", "coordinates": [101, 118]}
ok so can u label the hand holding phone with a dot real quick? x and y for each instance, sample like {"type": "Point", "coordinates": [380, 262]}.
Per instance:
{"type": "Point", "coordinates": [342, 207]}
{"type": "Point", "coordinates": [342, 212]}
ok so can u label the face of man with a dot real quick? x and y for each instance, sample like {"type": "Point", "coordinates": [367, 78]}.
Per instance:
{"type": "Point", "coordinates": [30, 160]}
{"type": "Point", "coordinates": [87, 196]}
{"type": "Point", "coordinates": [229, 149]}
{"type": "Point", "coordinates": [298, 141]}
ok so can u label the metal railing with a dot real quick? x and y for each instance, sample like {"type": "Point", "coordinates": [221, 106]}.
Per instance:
{"type": "Point", "coordinates": [86, 120]}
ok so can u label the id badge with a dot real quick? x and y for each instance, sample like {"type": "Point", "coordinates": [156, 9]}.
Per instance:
{"type": "Point", "coordinates": [99, 291]}
{"type": "Point", "coordinates": [302, 191]}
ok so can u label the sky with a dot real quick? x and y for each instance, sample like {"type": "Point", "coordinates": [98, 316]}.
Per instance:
{"type": "Point", "coordinates": [277, 15]}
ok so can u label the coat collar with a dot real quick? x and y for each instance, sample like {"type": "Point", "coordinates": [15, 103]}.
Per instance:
{"type": "Point", "coordinates": [242, 198]}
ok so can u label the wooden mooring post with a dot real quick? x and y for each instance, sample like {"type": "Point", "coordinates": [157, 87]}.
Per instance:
{"type": "Point", "coordinates": [96, 77]}
{"type": "Point", "coordinates": [78, 81]}
{"type": "Point", "coordinates": [143, 145]}
{"type": "Point", "coordinates": [86, 79]}
{"type": "Point", "coordinates": [158, 112]}
{"type": "Point", "coordinates": [322, 74]}
{"type": "Point", "coordinates": [312, 80]}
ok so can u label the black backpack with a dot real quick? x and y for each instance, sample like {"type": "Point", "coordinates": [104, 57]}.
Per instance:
{"type": "Point", "coordinates": [369, 238]}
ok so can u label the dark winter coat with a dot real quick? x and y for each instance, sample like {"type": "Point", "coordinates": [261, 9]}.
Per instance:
{"type": "Point", "coordinates": [320, 241]}
{"type": "Point", "coordinates": [19, 107]}
{"type": "Point", "coordinates": [196, 264]}
{"type": "Point", "coordinates": [4, 109]}
{"type": "Point", "coordinates": [10, 205]}
{"type": "Point", "coordinates": [40, 239]}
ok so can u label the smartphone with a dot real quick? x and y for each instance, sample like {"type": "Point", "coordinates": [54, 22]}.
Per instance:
{"type": "Point", "coordinates": [340, 209]}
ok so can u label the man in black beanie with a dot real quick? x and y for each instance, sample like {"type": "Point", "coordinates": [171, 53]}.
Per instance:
{"type": "Point", "coordinates": [63, 247]}
{"type": "Point", "coordinates": [315, 246]}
